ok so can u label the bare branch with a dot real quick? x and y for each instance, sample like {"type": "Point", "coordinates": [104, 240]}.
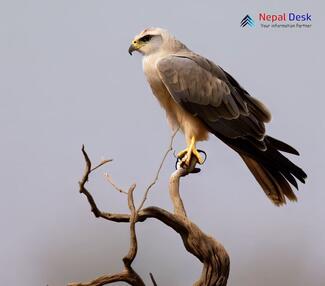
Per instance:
{"type": "Point", "coordinates": [125, 276]}
{"type": "Point", "coordinates": [91, 201]}
{"type": "Point", "coordinates": [110, 180]}
{"type": "Point", "coordinates": [128, 275]}
{"type": "Point", "coordinates": [101, 164]}
{"type": "Point", "coordinates": [128, 259]}
{"type": "Point", "coordinates": [177, 201]}
{"type": "Point", "coordinates": [170, 148]}
{"type": "Point", "coordinates": [103, 280]}
{"type": "Point", "coordinates": [209, 251]}
{"type": "Point", "coordinates": [153, 279]}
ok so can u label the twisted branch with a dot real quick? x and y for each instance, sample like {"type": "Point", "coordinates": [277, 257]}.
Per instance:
{"type": "Point", "coordinates": [209, 251]}
{"type": "Point", "coordinates": [128, 275]}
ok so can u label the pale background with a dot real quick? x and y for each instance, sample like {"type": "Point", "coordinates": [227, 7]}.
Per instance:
{"type": "Point", "coordinates": [66, 79]}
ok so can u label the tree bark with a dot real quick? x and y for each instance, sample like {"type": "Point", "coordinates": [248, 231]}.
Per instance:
{"type": "Point", "coordinates": [209, 251]}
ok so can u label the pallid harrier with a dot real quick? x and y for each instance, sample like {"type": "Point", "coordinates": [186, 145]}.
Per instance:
{"type": "Point", "coordinates": [201, 98]}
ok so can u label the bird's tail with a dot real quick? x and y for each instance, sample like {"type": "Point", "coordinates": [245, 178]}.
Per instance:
{"type": "Point", "coordinates": [271, 169]}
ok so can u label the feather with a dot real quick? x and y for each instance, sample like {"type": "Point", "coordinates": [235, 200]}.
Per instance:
{"type": "Point", "coordinates": [200, 96]}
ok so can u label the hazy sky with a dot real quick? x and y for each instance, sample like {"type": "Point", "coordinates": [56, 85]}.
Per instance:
{"type": "Point", "coordinates": [67, 80]}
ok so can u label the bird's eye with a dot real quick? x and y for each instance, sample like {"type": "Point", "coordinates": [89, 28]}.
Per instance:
{"type": "Point", "coordinates": [146, 38]}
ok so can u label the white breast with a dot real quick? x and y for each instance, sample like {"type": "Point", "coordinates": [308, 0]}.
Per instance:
{"type": "Point", "coordinates": [157, 86]}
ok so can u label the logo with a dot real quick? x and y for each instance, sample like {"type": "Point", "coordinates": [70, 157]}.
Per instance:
{"type": "Point", "coordinates": [284, 17]}
{"type": "Point", "coordinates": [247, 21]}
{"type": "Point", "coordinates": [280, 20]}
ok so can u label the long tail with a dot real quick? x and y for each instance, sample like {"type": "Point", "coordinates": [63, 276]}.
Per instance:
{"type": "Point", "coordinates": [271, 169]}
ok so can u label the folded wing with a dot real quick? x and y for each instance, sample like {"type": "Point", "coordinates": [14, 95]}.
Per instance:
{"type": "Point", "coordinates": [229, 112]}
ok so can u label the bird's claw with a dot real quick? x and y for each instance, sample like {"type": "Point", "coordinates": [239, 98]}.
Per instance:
{"type": "Point", "coordinates": [179, 164]}
{"type": "Point", "coordinates": [185, 157]}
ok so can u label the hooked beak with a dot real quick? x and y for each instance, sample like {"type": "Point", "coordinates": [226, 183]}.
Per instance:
{"type": "Point", "coordinates": [135, 46]}
{"type": "Point", "coordinates": [132, 48]}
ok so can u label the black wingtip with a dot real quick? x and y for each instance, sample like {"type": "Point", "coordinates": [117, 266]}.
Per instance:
{"type": "Point", "coordinates": [281, 146]}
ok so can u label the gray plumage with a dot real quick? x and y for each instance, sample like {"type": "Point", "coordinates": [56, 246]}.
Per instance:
{"type": "Point", "coordinates": [200, 97]}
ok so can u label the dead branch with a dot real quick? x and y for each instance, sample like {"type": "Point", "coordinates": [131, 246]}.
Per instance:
{"type": "Point", "coordinates": [128, 275]}
{"type": "Point", "coordinates": [115, 187]}
{"type": "Point", "coordinates": [101, 164]}
{"type": "Point", "coordinates": [209, 251]}
{"type": "Point", "coordinates": [153, 279]}
{"type": "Point", "coordinates": [170, 148]}
{"type": "Point", "coordinates": [175, 197]}
{"type": "Point", "coordinates": [128, 259]}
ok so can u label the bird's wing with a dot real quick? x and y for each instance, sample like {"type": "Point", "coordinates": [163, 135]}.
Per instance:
{"type": "Point", "coordinates": [235, 117]}
{"type": "Point", "coordinates": [204, 90]}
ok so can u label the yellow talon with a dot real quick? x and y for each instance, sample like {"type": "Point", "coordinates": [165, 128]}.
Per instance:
{"type": "Point", "coordinates": [186, 154]}
{"type": "Point", "coordinates": [182, 153]}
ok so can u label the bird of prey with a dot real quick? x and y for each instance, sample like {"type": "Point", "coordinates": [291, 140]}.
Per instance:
{"type": "Point", "coordinates": [199, 97]}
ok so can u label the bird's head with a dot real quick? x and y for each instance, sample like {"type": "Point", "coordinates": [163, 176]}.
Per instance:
{"type": "Point", "coordinates": [152, 40]}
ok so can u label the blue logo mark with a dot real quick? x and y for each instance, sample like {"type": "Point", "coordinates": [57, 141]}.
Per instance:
{"type": "Point", "coordinates": [247, 21]}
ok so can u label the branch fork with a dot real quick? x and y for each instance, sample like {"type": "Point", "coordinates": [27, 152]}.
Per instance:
{"type": "Point", "coordinates": [209, 251]}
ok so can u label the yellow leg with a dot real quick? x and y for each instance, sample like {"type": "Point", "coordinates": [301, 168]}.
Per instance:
{"type": "Point", "coordinates": [190, 151]}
